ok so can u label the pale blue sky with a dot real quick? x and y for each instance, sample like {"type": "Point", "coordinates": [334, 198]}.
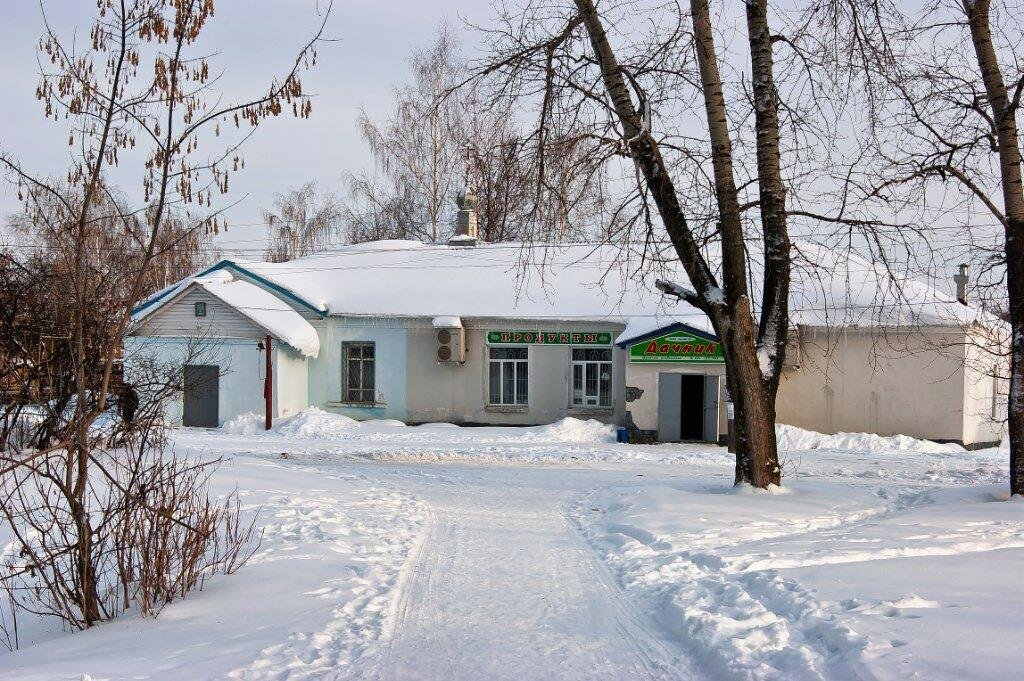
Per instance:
{"type": "Point", "coordinates": [255, 39]}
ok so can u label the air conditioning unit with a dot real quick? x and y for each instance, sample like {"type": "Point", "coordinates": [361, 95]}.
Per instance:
{"type": "Point", "coordinates": [451, 345]}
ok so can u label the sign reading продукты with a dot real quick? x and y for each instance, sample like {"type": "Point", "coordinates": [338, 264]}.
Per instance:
{"type": "Point", "coordinates": [550, 337]}
{"type": "Point", "coordinates": [677, 346]}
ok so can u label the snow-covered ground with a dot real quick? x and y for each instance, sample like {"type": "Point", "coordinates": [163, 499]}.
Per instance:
{"type": "Point", "coordinates": [434, 552]}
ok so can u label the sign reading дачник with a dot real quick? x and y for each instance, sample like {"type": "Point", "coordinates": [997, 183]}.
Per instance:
{"type": "Point", "coordinates": [678, 347]}
{"type": "Point", "coordinates": [550, 337]}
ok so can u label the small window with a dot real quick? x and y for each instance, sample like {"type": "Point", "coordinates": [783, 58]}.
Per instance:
{"type": "Point", "coordinates": [592, 377]}
{"type": "Point", "coordinates": [200, 309]}
{"type": "Point", "coordinates": [509, 381]}
{"type": "Point", "coordinates": [359, 381]}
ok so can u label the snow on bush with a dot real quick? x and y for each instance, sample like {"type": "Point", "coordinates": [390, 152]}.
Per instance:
{"type": "Point", "coordinates": [793, 438]}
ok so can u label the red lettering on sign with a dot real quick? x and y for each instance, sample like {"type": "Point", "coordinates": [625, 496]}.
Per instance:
{"type": "Point", "coordinates": [711, 348]}
{"type": "Point", "coordinates": [652, 348]}
{"type": "Point", "coordinates": [663, 349]}
{"type": "Point", "coordinates": [698, 349]}
{"type": "Point", "coordinates": [687, 349]}
{"type": "Point", "coordinates": [563, 338]}
{"type": "Point", "coordinates": [676, 347]}
{"type": "Point", "coordinates": [506, 337]}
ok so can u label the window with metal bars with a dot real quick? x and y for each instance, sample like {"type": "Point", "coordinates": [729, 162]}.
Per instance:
{"type": "Point", "coordinates": [360, 372]}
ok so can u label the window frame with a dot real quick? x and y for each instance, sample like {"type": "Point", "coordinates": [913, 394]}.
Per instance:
{"type": "Point", "coordinates": [583, 365]}
{"type": "Point", "coordinates": [197, 306]}
{"type": "Point", "coordinates": [347, 375]}
{"type": "Point", "coordinates": [514, 362]}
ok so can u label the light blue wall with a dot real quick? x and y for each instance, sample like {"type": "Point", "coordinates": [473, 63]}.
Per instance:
{"type": "Point", "coordinates": [241, 371]}
{"type": "Point", "coordinates": [325, 372]}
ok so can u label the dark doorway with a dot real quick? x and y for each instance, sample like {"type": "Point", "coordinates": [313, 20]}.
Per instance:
{"type": "Point", "coordinates": [691, 420]}
{"type": "Point", "coordinates": [202, 396]}
{"type": "Point", "coordinates": [687, 407]}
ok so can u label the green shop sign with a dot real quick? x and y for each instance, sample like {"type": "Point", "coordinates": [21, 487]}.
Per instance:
{"type": "Point", "coordinates": [679, 347]}
{"type": "Point", "coordinates": [549, 337]}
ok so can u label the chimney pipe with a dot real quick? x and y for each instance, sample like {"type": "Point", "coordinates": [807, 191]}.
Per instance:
{"type": "Point", "coordinates": [465, 220]}
{"type": "Point", "coordinates": [960, 279]}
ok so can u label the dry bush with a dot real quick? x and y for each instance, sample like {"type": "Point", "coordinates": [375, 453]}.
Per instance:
{"type": "Point", "coordinates": [158, 534]}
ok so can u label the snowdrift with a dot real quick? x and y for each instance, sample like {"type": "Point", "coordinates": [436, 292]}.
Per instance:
{"type": "Point", "coordinates": [793, 438]}
{"type": "Point", "coordinates": [317, 424]}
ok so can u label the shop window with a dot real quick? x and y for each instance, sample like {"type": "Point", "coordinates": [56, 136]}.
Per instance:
{"type": "Point", "coordinates": [360, 372]}
{"type": "Point", "coordinates": [509, 382]}
{"type": "Point", "coordinates": [199, 309]}
{"type": "Point", "coordinates": [592, 377]}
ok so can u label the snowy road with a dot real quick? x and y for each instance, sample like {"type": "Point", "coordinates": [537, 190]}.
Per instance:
{"type": "Point", "coordinates": [504, 588]}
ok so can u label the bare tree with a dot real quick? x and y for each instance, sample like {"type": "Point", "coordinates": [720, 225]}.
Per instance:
{"type": "Point", "coordinates": [302, 222]}
{"type": "Point", "coordinates": [627, 77]}
{"type": "Point", "coordinates": [440, 138]}
{"type": "Point", "coordinates": [945, 122]}
{"type": "Point", "coordinates": [140, 88]}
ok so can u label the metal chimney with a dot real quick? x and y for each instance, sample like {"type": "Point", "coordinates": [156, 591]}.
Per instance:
{"type": "Point", "coordinates": [960, 279]}
{"type": "Point", "coordinates": [465, 220]}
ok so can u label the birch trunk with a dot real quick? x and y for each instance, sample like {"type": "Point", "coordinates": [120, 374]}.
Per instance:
{"type": "Point", "coordinates": [1004, 113]}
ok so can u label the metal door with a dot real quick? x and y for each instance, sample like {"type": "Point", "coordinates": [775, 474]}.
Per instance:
{"type": "Point", "coordinates": [670, 406]}
{"type": "Point", "coordinates": [202, 396]}
{"type": "Point", "coordinates": [711, 391]}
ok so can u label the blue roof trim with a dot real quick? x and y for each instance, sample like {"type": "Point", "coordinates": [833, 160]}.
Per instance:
{"type": "Point", "coordinates": [669, 328]}
{"type": "Point", "coordinates": [262, 281]}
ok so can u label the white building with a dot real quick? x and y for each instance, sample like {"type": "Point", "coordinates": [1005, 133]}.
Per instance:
{"type": "Point", "coordinates": [512, 334]}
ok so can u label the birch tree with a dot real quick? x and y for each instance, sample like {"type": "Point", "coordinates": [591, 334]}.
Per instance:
{"type": "Point", "coordinates": [303, 221]}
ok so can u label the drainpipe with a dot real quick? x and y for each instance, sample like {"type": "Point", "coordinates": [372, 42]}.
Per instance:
{"type": "Point", "coordinates": [268, 385]}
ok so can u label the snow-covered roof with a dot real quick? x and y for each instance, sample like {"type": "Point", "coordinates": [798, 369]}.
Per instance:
{"type": "Point", "coordinates": [260, 306]}
{"type": "Point", "coordinates": [579, 282]}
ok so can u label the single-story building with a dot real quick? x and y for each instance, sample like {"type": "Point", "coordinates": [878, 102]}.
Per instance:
{"type": "Point", "coordinates": [512, 334]}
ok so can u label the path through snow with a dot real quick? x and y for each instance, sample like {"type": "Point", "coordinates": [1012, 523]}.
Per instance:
{"type": "Point", "coordinates": [504, 588]}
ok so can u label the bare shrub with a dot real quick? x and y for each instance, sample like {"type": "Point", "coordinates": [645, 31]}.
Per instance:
{"type": "Point", "coordinates": [158, 534]}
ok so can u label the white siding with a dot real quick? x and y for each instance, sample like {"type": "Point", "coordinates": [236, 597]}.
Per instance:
{"type": "Point", "coordinates": [178, 319]}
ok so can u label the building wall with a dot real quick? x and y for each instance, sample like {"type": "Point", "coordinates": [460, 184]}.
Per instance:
{"type": "Point", "coordinates": [241, 370]}
{"type": "Point", "coordinates": [985, 391]}
{"type": "Point", "coordinates": [325, 372]}
{"type": "Point", "coordinates": [858, 380]}
{"type": "Point", "coordinates": [644, 410]}
{"type": "Point", "coordinates": [459, 393]}
{"type": "Point", "coordinates": [291, 381]}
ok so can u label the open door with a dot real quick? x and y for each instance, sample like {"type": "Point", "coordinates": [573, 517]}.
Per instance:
{"type": "Point", "coordinates": [687, 407]}
{"type": "Point", "coordinates": [670, 406]}
{"type": "Point", "coordinates": [711, 405]}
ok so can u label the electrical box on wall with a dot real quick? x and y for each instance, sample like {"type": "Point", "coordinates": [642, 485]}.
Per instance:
{"type": "Point", "coordinates": [451, 345]}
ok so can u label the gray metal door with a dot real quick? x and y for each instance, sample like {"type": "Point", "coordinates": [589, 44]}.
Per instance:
{"type": "Point", "coordinates": [670, 406]}
{"type": "Point", "coordinates": [711, 408]}
{"type": "Point", "coordinates": [202, 396]}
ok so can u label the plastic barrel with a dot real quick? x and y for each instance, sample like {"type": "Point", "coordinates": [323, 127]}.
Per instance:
{"type": "Point", "coordinates": [622, 434]}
